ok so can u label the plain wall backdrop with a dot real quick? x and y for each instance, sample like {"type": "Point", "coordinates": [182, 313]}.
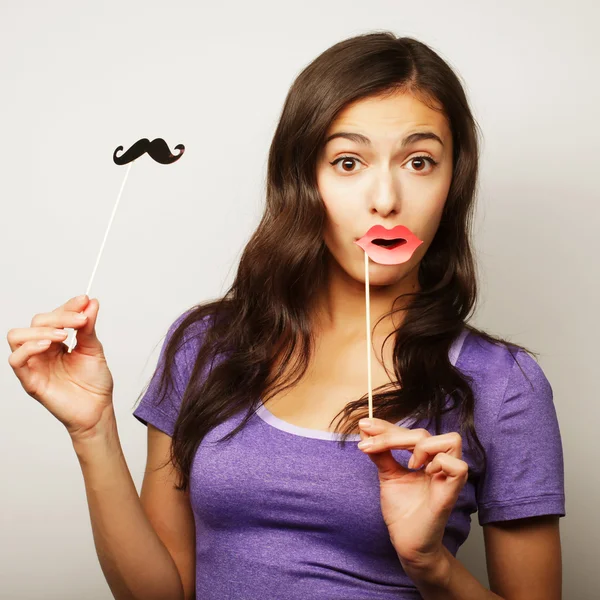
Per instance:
{"type": "Point", "coordinates": [80, 78]}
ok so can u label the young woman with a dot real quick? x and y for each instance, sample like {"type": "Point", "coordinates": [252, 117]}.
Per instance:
{"type": "Point", "coordinates": [255, 486]}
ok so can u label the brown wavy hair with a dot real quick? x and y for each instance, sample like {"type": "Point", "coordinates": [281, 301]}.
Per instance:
{"type": "Point", "coordinates": [266, 312]}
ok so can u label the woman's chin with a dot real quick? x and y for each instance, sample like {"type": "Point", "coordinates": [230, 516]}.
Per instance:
{"type": "Point", "coordinates": [381, 275]}
{"type": "Point", "coordinates": [382, 281]}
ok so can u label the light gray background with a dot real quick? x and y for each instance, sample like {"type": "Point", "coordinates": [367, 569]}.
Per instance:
{"type": "Point", "coordinates": [80, 78]}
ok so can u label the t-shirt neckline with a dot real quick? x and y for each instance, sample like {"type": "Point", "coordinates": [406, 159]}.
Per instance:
{"type": "Point", "coordinates": [268, 417]}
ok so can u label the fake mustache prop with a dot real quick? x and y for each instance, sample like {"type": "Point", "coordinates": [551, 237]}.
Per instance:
{"type": "Point", "coordinates": [157, 149]}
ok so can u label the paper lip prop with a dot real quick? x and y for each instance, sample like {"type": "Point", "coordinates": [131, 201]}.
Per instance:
{"type": "Point", "coordinates": [391, 254]}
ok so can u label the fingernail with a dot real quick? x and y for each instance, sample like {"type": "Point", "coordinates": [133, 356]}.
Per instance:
{"type": "Point", "coordinates": [411, 462]}
{"type": "Point", "coordinates": [366, 423]}
{"type": "Point", "coordinates": [81, 317]}
{"type": "Point", "coordinates": [365, 444]}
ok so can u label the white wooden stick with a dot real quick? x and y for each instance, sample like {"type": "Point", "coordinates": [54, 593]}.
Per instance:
{"type": "Point", "coordinates": [72, 342]}
{"type": "Point", "coordinates": [368, 313]}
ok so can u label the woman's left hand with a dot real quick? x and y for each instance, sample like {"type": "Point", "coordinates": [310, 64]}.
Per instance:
{"type": "Point", "coordinates": [416, 505]}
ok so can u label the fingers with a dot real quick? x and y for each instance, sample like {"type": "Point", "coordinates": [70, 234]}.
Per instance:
{"type": "Point", "coordinates": [76, 304]}
{"type": "Point", "coordinates": [25, 342]}
{"type": "Point", "coordinates": [18, 336]}
{"type": "Point", "coordinates": [87, 340]}
{"type": "Point", "coordinates": [387, 436]}
{"type": "Point", "coordinates": [447, 443]}
{"type": "Point", "coordinates": [71, 314]}
{"type": "Point", "coordinates": [50, 325]}
{"type": "Point", "coordinates": [449, 465]}
{"type": "Point", "coordinates": [62, 318]}
{"type": "Point", "coordinates": [18, 359]}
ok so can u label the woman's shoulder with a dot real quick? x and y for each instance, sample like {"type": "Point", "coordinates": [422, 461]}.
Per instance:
{"type": "Point", "coordinates": [194, 330]}
{"type": "Point", "coordinates": [504, 378]}
{"type": "Point", "coordinates": [496, 360]}
{"type": "Point", "coordinates": [513, 404]}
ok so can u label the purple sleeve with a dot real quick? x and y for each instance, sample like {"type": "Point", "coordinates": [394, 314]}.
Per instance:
{"type": "Point", "coordinates": [164, 414]}
{"type": "Point", "coordinates": [525, 470]}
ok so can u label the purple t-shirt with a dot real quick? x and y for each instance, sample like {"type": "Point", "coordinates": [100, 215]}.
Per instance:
{"type": "Point", "coordinates": [283, 512]}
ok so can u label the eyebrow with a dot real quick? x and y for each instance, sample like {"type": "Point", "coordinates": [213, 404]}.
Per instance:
{"type": "Point", "coordinates": [359, 138]}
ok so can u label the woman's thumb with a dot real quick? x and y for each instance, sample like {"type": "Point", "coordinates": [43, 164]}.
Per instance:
{"type": "Point", "coordinates": [86, 335]}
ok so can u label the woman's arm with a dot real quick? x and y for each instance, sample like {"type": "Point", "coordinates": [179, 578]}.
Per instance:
{"type": "Point", "coordinates": [448, 579]}
{"type": "Point", "coordinates": [133, 558]}
{"type": "Point", "coordinates": [523, 561]}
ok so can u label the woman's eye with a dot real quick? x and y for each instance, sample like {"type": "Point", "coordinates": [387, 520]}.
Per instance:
{"type": "Point", "coordinates": [346, 160]}
{"type": "Point", "coordinates": [419, 160]}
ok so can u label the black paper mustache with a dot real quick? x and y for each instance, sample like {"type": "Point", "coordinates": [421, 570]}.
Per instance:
{"type": "Point", "coordinates": [157, 149]}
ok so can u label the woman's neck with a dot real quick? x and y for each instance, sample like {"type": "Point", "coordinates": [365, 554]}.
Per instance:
{"type": "Point", "coordinates": [342, 305]}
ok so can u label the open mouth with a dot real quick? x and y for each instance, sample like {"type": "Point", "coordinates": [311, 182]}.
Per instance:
{"type": "Point", "coordinates": [389, 244]}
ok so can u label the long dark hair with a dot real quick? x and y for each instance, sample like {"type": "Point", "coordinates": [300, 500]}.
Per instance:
{"type": "Point", "coordinates": [266, 312]}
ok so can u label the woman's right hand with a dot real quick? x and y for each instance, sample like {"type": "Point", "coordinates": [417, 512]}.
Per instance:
{"type": "Point", "coordinates": [76, 387]}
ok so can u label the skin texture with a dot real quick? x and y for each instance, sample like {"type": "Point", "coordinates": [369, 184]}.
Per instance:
{"type": "Point", "coordinates": [382, 184]}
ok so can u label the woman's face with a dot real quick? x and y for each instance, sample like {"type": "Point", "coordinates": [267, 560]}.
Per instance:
{"type": "Point", "coordinates": [383, 183]}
